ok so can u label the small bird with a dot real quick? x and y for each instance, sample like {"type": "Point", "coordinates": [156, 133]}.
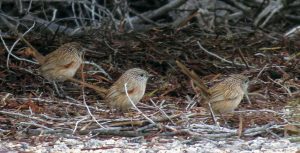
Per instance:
{"type": "Point", "coordinates": [227, 95]}
{"type": "Point", "coordinates": [135, 80]}
{"type": "Point", "coordinates": [62, 63]}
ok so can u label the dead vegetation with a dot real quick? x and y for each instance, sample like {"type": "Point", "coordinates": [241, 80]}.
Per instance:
{"type": "Point", "coordinates": [172, 102]}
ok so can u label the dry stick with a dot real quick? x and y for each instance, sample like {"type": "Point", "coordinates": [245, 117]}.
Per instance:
{"type": "Point", "coordinates": [240, 129]}
{"type": "Point", "coordinates": [247, 97]}
{"type": "Point", "coordinates": [73, 10]}
{"type": "Point", "coordinates": [224, 132]}
{"type": "Point", "coordinates": [243, 58]}
{"type": "Point", "coordinates": [12, 47]}
{"type": "Point", "coordinates": [106, 11]}
{"type": "Point", "coordinates": [286, 88]}
{"type": "Point", "coordinates": [240, 6]}
{"type": "Point", "coordinates": [143, 17]}
{"type": "Point", "coordinates": [182, 21]}
{"type": "Point", "coordinates": [160, 11]}
{"type": "Point", "coordinates": [88, 109]}
{"type": "Point", "coordinates": [269, 11]}
{"type": "Point", "coordinates": [76, 124]}
{"type": "Point", "coordinates": [93, 11]}
{"type": "Point", "coordinates": [142, 122]}
{"type": "Point", "coordinates": [292, 32]}
{"type": "Point", "coordinates": [84, 102]}
{"type": "Point", "coordinates": [39, 57]}
{"type": "Point", "coordinates": [213, 115]}
{"type": "Point", "coordinates": [132, 103]}
{"type": "Point", "coordinates": [52, 101]}
{"type": "Point", "coordinates": [100, 91]}
{"type": "Point", "coordinates": [24, 116]}
{"type": "Point", "coordinates": [261, 71]}
{"type": "Point", "coordinates": [218, 57]}
{"type": "Point", "coordinates": [195, 77]}
{"type": "Point", "coordinates": [51, 26]}
{"type": "Point", "coordinates": [3, 99]}
{"type": "Point", "coordinates": [191, 102]}
{"type": "Point", "coordinates": [162, 111]}
{"type": "Point", "coordinates": [99, 68]}
{"type": "Point", "coordinates": [34, 124]}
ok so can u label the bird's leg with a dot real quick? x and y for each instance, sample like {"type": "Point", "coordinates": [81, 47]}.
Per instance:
{"type": "Point", "coordinates": [213, 116]}
{"type": "Point", "coordinates": [59, 91]}
{"type": "Point", "coordinates": [247, 97]}
{"type": "Point", "coordinates": [225, 121]}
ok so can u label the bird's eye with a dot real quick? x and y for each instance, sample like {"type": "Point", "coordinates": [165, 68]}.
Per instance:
{"type": "Point", "coordinates": [142, 75]}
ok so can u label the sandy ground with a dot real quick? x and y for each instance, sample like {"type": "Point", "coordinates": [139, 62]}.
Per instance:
{"type": "Point", "coordinates": [156, 145]}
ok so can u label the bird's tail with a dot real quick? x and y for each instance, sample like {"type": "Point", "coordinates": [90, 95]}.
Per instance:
{"type": "Point", "coordinates": [100, 91]}
{"type": "Point", "coordinates": [39, 57]}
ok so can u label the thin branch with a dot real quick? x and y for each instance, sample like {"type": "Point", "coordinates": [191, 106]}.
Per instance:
{"type": "Point", "coordinates": [162, 111]}
{"type": "Point", "coordinates": [218, 57]}
{"type": "Point", "coordinates": [9, 50]}
{"type": "Point", "coordinates": [160, 11]}
{"type": "Point", "coordinates": [24, 116]}
{"type": "Point", "coordinates": [132, 103]}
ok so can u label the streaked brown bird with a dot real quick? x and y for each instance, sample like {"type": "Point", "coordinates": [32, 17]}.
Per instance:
{"type": "Point", "coordinates": [62, 63]}
{"type": "Point", "coordinates": [135, 80]}
{"type": "Point", "coordinates": [227, 95]}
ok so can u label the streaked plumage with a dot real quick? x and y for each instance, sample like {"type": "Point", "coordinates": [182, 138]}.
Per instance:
{"type": "Point", "coordinates": [136, 80]}
{"type": "Point", "coordinates": [227, 95]}
{"type": "Point", "coordinates": [63, 62]}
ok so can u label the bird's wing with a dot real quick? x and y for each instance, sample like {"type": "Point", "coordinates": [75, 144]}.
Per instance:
{"type": "Point", "coordinates": [129, 86]}
{"type": "Point", "coordinates": [119, 88]}
{"type": "Point", "coordinates": [56, 60]}
{"type": "Point", "coordinates": [218, 94]}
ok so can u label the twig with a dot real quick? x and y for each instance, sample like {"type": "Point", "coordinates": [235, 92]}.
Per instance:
{"type": "Point", "coordinates": [87, 107]}
{"type": "Point", "coordinates": [160, 11]}
{"type": "Point", "coordinates": [162, 111]}
{"type": "Point", "coordinates": [101, 70]}
{"type": "Point", "coordinates": [143, 17]}
{"type": "Point", "coordinates": [196, 78]}
{"type": "Point", "coordinates": [3, 99]}
{"type": "Point", "coordinates": [12, 47]}
{"type": "Point", "coordinates": [243, 58]}
{"type": "Point", "coordinates": [39, 57]}
{"type": "Point", "coordinates": [191, 102]}
{"type": "Point", "coordinates": [261, 71]}
{"type": "Point", "coordinates": [51, 26]}
{"type": "Point", "coordinates": [213, 115]}
{"type": "Point", "coordinates": [76, 125]}
{"type": "Point", "coordinates": [132, 103]}
{"type": "Point", "coordinates": [256, 111]}
{"type": "Point", "coordinates": [218, 57]}
{"type": "Point", "coordinates": [34, 124]}
{"type": "Point", "coordinates": [292, 32]}
{"type": "Point", "coordinates": [24, 116]}
{"type": "Point", "coordinates": [287, 89]}
{"type": "Point", "coordinates": [273, 7]}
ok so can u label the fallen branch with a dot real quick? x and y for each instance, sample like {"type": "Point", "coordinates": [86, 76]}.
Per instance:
{"type": "Point", "coordinates": [16, 115]}
{"type": "Point", "coordinates": [218, 57]}
{"type": "Point", "coordinates": [158, 12]}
